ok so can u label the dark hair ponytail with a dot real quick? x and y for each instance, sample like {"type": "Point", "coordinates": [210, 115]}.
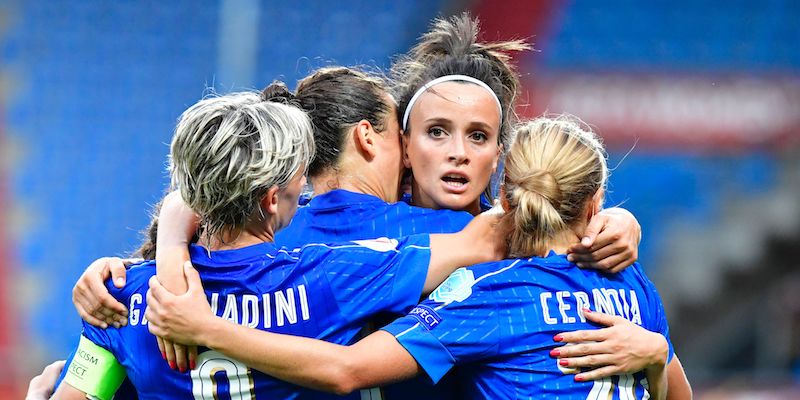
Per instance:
{"type": "Point", "coordinates": [451, 47]}
{"type": "Point", "coordinates": [337, 98]}
{"type": "Point", "coordinates": [278, 92]}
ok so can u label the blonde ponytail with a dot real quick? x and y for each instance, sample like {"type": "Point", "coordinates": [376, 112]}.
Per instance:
{"type": "Point", "coordinates": [553, 169]}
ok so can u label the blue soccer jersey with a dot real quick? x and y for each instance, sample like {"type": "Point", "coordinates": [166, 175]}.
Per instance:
{"type": "Point", "coordinates": [320, 291]}
{"type": "Point", "coordinates": [497, 321]}
{"type": "Point", "coordinates": [343, 215]}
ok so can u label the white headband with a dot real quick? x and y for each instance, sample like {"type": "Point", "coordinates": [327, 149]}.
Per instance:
{"type": "Point", "coordinates": [449, 78]}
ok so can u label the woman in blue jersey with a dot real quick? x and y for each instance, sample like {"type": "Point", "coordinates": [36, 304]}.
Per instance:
{"type": "Point", "coordinates": [239, 161]}
{"type": "Point", "coordinates": [355, 174]}
{"type": "Point", "coordinates": [500, 321]}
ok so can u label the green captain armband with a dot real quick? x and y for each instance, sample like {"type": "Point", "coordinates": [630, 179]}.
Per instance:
{"type": "Point", "coordinates": [94, 371]}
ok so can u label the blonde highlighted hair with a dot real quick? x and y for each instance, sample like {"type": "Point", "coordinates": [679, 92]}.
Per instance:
{"type": "Point", "coordinates": [553, 168]}
{"type": "Point", "coordinates": [227, 152]}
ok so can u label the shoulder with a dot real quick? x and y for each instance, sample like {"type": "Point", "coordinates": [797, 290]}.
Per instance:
{"type": "Point", "coordinates": [136, 280]}
{"type": "Point", "coordinates": [635, 273]}
{"type": "Point", "coordinates": [466, 281]}
{"type": "Point", "coordinates": [380, 245]}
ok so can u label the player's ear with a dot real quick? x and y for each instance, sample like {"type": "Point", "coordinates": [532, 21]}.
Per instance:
{"type": "Point", "coordinates": [503, 199]}
{"type": "Point", "coordinates": [269, 204]}
{"type": "Point", "coordinates": [404, 138]}
{"type": "Point", "coordinates": [364, 136]}
{"type": "Point", "coordinates": [598, 199]}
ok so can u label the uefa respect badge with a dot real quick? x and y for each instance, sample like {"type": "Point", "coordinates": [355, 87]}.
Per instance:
{"type": "Point", "coordinates": [457, 287]}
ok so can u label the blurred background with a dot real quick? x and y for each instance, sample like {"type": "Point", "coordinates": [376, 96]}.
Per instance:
{"type": "Point", "coordinates": [698, 102]}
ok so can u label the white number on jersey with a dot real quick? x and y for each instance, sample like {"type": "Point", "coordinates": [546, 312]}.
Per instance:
{"type": "Point", "coordinates": [204, 378]}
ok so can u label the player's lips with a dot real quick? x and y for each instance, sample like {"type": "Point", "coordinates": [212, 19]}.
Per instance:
{"type": "Point", "coordinates": [455, 182]}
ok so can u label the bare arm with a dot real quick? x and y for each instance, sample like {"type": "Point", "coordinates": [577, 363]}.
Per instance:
{"type": "Point", "coordinates": [320, 365]}
{"type": "Point", "coordinates": [610, 243]}
{"type": "Point", "coordinates": [679, 387]}
{"type": "Point", "coordinates": [484, 239]}
{"type": "Point", "coordinates": [177, 225]}
{"type": "Point", "coordinates": [67, 392]}
{"type": "Point", "coordinates": [669, 382]}
{"type": "Point", "coordinates": [375, 360]}
{"type": "Point", "coordinates": [657, 382]}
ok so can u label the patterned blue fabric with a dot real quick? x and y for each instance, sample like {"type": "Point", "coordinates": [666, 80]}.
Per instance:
{"type": "Point", "coordinates": [343, 215]}
{"type": "Point", "coordinates": [497, 321]}
{"type": "Point", "coordinates": [320, 291]}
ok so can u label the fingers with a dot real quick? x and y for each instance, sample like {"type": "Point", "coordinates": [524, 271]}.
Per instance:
{"type": "Point", "coordinates": [43, 385]}
{"type": "Point", "coordinates": [54, 368]}
{"type": "Point", "coordinates": [91, 297]}
{"type": "Point", "coordinates": [578, 350]}
{"type": "Point", "coordinates": [157, 291]}
{"type": "Point", "coordinates": [596, 225]}
{"type": "Point", "coordinates": [153, 310]}
{"type": "Point", "coordinates": [599, 250]}
{"type": "Point", "coordinates": [603, 318]}
{"type": "Point", "coordinates": [581, 343]}
{"type": "Point", "coordinates": [85, 308]}
{"type": "Point", "coordinates": [108, 306]}
{"type": "Point", "coordinates": [160, 345]}
{"type": "Point", "coordinates": [589, 361]}
{"type": "Point", "coordinates": [598, 373]}
{"type": "Point", "coordinates": [169, 350]}
{"type": "Point", "coordinates": [118, 272]}
{"type": "Point", "coordinates": [599, 254]}
{"type": "Point", "coordinates": [615, 263]}
{"type": "Point", "coordinates": [181, 357]}
{"type": "Point", "coordinates": [192, 357]}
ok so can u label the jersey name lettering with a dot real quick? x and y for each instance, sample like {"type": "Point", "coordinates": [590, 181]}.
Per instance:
{"type": "Point", "coordinates": [564, 307]}
{"type": "Point", "coordinates": [283, 307]}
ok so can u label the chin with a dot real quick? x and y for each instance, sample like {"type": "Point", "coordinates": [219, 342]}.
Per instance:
{"type": "Point", "coordinates": [456, 204]}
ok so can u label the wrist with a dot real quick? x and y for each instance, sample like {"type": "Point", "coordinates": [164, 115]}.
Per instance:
{"type": "Point", "coordinates": [659, 358]}
{"type": "Point", "coordinates": [213, 333]}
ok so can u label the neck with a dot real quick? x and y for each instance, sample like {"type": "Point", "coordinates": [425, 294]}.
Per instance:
{"type": "Point", "coordinates": [232, 240]}
{"type": "Point", "coordinates": [357, 182]}
{"type": "Point", "coordinates": [562, 242]}
{"type": "Point", "coordinates": [559, 243]}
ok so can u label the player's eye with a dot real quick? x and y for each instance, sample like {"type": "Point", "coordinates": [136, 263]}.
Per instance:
{"type": "Point", "coordinates": [436, 132]}
{"type": "Point", "coordinates": [479, 137]}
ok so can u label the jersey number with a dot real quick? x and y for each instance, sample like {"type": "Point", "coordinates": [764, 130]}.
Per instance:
{"type": "Point", "coordinates": [604, 388]}
{"type": "Point", "coordinates": [212, 367]}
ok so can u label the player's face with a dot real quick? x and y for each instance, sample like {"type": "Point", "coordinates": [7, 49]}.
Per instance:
{"type": "Point", "coordinates": [452, 147]}
{"type": "Point", "coordinates": [287, 200]}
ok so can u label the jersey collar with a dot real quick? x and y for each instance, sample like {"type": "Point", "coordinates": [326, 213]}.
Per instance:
{"type": "Point", "coordinates": [340, 198]}
{"type": "Point", "coordinates": [200, 254]}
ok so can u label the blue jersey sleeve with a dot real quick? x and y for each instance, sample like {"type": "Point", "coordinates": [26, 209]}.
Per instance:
{"type": "Point", "coordinates": [457, 324]}
{"type": "Point", "coordinates": [98, 336]}
{"type": "Point", "coordinates": [373, 276]}
{"type": "Point", "coordinates": [659, 316]}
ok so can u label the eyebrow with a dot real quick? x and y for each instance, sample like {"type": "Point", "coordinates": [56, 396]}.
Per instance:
{"type": "Point", "coordinates": [472, 124]}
